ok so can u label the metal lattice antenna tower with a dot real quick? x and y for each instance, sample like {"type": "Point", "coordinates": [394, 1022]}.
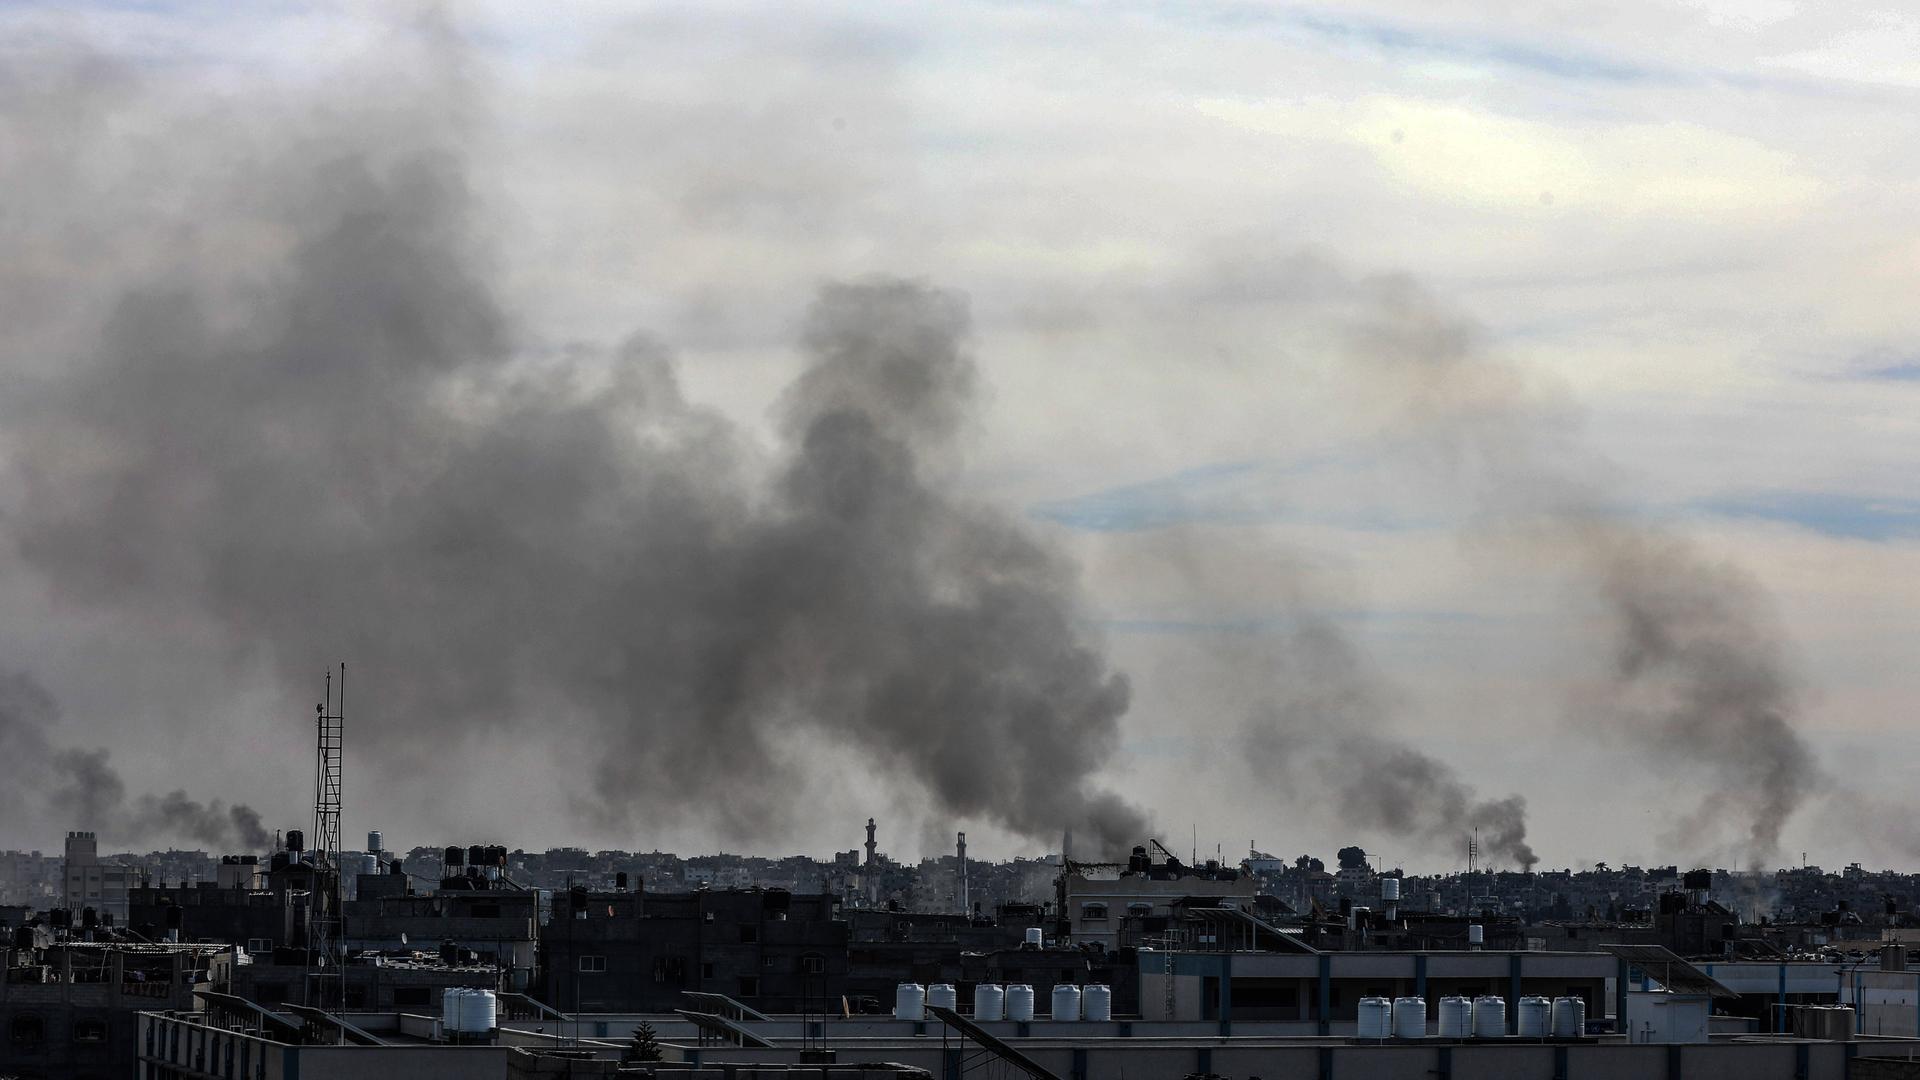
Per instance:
{"type": "Point", "coordinates": [323, 910]}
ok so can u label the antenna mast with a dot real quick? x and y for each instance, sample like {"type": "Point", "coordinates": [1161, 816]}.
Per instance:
{"type": "Point", "coordinates": [323, 911]}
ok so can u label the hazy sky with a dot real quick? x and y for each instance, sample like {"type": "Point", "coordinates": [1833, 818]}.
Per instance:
{"type": "Point", "coordinates": [1683, 237]}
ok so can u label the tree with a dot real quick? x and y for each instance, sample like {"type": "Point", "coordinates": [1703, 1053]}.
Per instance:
{"type": "Point", "coordinates": [1352, 858]}
{"type": "Point", "coordinates": [643, 1046]}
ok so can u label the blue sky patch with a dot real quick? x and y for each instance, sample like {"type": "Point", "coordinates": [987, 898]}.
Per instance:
{"type": "Point", "coordinates": [1851, 516]}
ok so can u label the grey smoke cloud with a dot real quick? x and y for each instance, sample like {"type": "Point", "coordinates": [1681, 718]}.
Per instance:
{"type": "Point", "coordinates": [337, 447]}
{"type": "Point", "coordinates": [1696, 673]}
{"type": "Point", "coordinates": [85, 789]}
{"type": "Point", "coordinates": [1321, 739]}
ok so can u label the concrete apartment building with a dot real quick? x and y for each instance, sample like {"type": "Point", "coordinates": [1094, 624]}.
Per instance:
{"type": "Point", "coordinates": [631, 951]}
{"type": "Point", "coordinates": [91, 883]}
{"type": "Point", "coordinates": [70, 1009]}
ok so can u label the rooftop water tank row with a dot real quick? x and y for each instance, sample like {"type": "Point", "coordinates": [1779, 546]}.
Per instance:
{"type": "Point", "coordinates": [989, 1002]}
{"type": "Point", "coordinates": [465, 1011]}
{"type": "Point", "coordinates": [1019, 1002]}
{"type": "Point", "coordinates": [1460, 1017]}
{"type": "Point", "coordinates": [1066, 1002]}
{"type": "Point", "coordinates": [910, 1002]}
{"type": "Point", "coordinates": [944, 995]}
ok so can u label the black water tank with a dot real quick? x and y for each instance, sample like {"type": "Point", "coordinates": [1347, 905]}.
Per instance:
{"type": "Point", "coordinates": [89, 919]}
{"type": "Point", "coordinates": [296, 840]}
{"type": "Point", "coordinates": [454, 856]}
{"type": "Point", "coordinates": [620, 881]}
{"type": "Point", "coordinates": [174, 915]}
{"type": "Point", "coordinates": [396, 867]}
{"type": "Point", "coordinates": [579, 896]}
{"type": "Point", "coordinates": [497, 855]}
{"type": "Point", "coordinates": [477, 855]}
{"type": "Point", "coordinates": [1697, 879]}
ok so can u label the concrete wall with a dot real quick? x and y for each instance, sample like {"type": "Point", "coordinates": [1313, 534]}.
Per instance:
{"type": "Point", "coordinates": [1512, 1061]}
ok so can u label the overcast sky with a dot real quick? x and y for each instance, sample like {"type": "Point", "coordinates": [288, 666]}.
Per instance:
{"type": "Point", "coordinates": [1684, 234]}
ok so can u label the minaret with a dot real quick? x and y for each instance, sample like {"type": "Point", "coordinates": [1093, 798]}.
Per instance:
{"type": "Point", "coordinates": [872, 873]}
{"type": "Point", "coordinates": [961, 872]}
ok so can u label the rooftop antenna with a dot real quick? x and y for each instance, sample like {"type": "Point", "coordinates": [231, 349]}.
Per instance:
{"type": "Point", "coordinates": [323, 909]}
{"type": "Point", "coordinates": [1195, 858]}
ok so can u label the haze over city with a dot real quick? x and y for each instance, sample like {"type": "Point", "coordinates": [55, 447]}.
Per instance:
{"type": "Point", "coordinates": [1248, 425]}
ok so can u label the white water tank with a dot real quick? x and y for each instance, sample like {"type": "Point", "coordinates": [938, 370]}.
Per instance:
{"type": "Point", "coordinates": [1476, 935]}
{"type": "Point", "coordinates": [1490, 1017]}
{"type": "Point", "coordinates": [479, 1012]}
{"type": "Point", "coordinates": [1569, 1017]}
{"type": "Point", "coordinates": [1019, 1002]}
{"type": "Point", "coordinates": [1409, 1018]}
{"type": "Point", "coordinates": [1456, 1017]}
{"type": "Point", "coordinates": [1390, 888]}
{"type": "Point", "coordinates": [1066, 1002]}
{"type": "Point", "coordinates": [1532, 1017]}
{"type": "Point", "coordinates": [943, 995]}
{"type": "Point", "coordinates": [1034, 937]}
{"type": "Point", "coordinates": [1096, 1002]}
{"type": "Point", "coordinates": [1375, 1017]}
{"type": "Point", "coordinates": [989, 1002]}
{"type": "Point", "coordinates": [451, 1015]}
{"type": "Point", "coordinates": [909, 1002]}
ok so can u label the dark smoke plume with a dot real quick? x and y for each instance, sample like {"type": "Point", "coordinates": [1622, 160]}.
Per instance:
{"type": "Point", "coordinates": [1319, 740]}
{"type": "Point", "coordinates": [360, 460]}
{"type": "Point", "coordinates": [84, 788]}
{"type": "Point", "coordinates": [1696, 673]}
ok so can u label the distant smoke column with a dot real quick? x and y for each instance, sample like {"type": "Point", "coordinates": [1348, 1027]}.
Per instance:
{"type": "Point", "coordinates": [1698, 673]}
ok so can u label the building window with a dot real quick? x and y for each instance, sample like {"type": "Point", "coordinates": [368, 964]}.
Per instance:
{"type": "Point", "coordinates": [813, 963]}
{"type": "Point", "coordinates": [258, 945]}
{"type": "Point", "coordinates": [749, 986]}
{"type": "Point", "coordinates": [706, 971]}
{"type": "Point", "coordinates": [749, 935]}
{"type": "Point", "coordinates": [27, 1030]}
{"type": "Point", "coordinates": [1140, 910]}
{"type": "Point", "coordinates": [90, 1031]}
{"type": "Point", "coordinates": [1093, 912]}
{"type": "Point", "coordinates": [593, 964]}
{"type": "Point", "coordinates": [412, 996]}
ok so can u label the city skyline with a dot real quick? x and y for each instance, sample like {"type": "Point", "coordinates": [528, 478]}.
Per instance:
{"type": "Point", "coordinates": [1366, 374]}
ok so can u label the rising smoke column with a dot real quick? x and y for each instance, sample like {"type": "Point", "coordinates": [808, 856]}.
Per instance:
{"type": "Point", "coordinates": [327, 441]}
{"type": "Point", "coordinates": [84, 788]}
{"type": "Point", "coordinates": [1695, 672]}
{"type": "Point", "coordinates": [1318, 739]}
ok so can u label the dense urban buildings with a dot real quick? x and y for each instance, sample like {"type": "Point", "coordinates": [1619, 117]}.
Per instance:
{"type": "Point", "coordinates": [575, 948]}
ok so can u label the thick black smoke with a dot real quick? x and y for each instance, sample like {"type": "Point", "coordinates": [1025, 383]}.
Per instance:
{"type": "Point", "coordinates": [335, 447]}
{"type": "Point", "coordinates": [86, 791]}
{"type": "Point", "coordinates": [1695, 674]}
{"type": "Point", "coordinates": [1319, 740]}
